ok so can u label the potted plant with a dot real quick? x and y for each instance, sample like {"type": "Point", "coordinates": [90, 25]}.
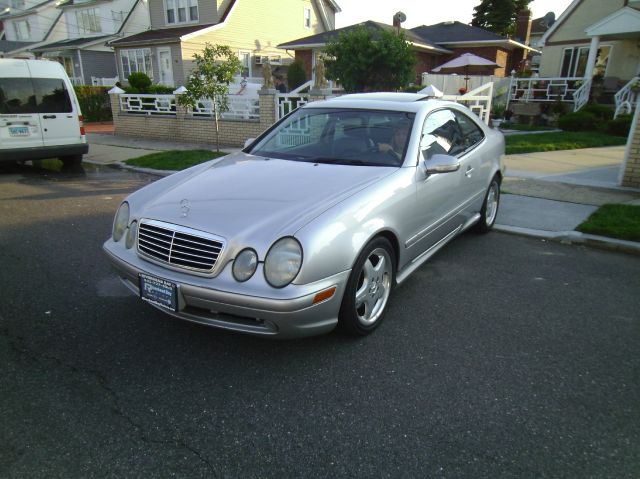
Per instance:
{"type": "Point", "coordinates": [497, 114]}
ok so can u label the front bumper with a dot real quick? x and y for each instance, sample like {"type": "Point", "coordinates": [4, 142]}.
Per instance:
{"type": "Point", "coordinates": [285, 313]}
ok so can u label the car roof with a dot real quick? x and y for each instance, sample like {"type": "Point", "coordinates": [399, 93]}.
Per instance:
{"type": "Point", "coordinates": [409, 102]}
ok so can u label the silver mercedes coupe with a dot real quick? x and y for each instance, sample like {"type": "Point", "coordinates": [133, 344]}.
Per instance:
{"type": "Point", "coordinates": [314, 222]}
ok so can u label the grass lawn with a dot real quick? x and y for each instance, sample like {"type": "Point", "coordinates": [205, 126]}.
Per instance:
{"type": "Point", "coordinates": [615, 221]}
{"type": "Point", "coordinates": [174, 159]}
{"type": "Point", "coordinates": [562, 140]}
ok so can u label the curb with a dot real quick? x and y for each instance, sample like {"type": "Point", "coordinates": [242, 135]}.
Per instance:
{"type": "Point", "coordinates": [574, 237]}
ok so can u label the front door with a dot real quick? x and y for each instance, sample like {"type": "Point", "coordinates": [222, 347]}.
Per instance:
{"type": "Point", "coordinates": [166, 68]}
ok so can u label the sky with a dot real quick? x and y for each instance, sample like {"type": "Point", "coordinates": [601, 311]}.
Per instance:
{"type": "Point", "coordinates": [426, 12]}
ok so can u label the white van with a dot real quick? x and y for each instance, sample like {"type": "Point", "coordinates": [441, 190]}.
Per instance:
{"type": "Point", "coordinates": [39, 113]}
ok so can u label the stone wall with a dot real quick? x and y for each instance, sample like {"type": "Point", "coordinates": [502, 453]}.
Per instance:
{"type": "Point", "coordinates": [631, 165]}
{"type": "Point", "coordinates": [183, 127]}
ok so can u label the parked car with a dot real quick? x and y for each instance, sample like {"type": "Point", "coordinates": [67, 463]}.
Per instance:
{"type": "Point", "coordinates": [39, 113]}
{"type": "Point", "coordinates": [314, 222]}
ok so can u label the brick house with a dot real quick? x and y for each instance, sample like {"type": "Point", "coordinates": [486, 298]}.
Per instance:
{"type": "Point", "coordinates": [433, 45]}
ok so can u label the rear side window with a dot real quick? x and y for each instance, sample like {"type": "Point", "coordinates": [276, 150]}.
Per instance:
{"type": "Point", "coordinates": [37, 95]}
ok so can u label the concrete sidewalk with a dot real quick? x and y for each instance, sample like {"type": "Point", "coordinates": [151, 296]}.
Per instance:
{"type": "Point", "coordinates": [545, 195]}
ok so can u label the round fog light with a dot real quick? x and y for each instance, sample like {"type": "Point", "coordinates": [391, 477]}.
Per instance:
{"type": "Point", "coordinates": [245, 265]}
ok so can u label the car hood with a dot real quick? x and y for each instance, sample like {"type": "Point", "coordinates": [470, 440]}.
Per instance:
{"type": "Point", "coordinates": [244, 197]}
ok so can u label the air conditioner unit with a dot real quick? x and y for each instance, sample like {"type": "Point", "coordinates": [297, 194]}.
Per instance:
{"type": "Point", "coordinates": [261, 60]}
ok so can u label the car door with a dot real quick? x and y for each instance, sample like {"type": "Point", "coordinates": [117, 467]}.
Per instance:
{"type": "Point", "coordinates": [19, 120]}
{"type": "Point", "coordinates": [59, 121]}
{"type": "Point", "coordinates": [438, 195]}
{"type": "Point", "coordinates": [474, 162]}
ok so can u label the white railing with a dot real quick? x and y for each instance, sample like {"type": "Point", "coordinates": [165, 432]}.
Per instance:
{"type": "Point", "coordinates": [239, 108]}
{"type": "Point", "coordinates": [104, 81]}
{"type": "Point", "coordinates": [543, 89]}
{"type": "Point", "coordinates": [288, 102]}
{"type": "Point", "coordinates": [477, 100]}
{"type": "Point", "coordinates": [306, 85]}
{"type": "Point", "coordinates": [77, 81]}
{"type": "Point", "coordinates": [148, 104]}
{"type": "Point", "coordinates": [627, 98]}
{"type": "Point", "coordinates": [581, 95]}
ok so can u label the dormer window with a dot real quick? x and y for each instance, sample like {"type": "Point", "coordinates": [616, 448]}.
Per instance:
{"type": "Point", "coordinates": [181, 11]}
{"type": "Point", "coordinates": [88, 21]}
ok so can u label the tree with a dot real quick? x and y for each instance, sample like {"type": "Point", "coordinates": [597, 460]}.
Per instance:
{"type": "Point", "coordinates": [296, 75]}
{"type": "Point", "coordinates": [215, 69]}
{"type": "Point", "coordinates": [498, 16]}
{"type": "Point", "coordinates": [361, 63]}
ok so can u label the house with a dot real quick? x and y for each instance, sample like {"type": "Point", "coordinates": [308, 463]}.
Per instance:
{"type": "Point", "coordinates": [26, 22]}
{"type": "Point", "coordinates": [539, 27]}
{"type": "Point", "coordinates": [253, 29]}
{"type": "Point", "coordinates": [433, 45]}
{"type": "Point", "coordinates": [77, 35]}
{"type": "Point", "coordinates": [594, 37]}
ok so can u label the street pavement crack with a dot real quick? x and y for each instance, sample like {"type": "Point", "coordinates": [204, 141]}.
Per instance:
{"type": "Point", "coordinates": [17, 345]}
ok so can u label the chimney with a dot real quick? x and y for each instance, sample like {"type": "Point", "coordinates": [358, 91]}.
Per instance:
{"type": "Point", "coordinates": [523, 26]}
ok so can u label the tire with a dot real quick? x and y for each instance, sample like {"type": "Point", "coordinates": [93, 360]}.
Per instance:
{"type": "Point", "coordinates": [369, 288]}
{"type": "Point", "coordinates": [489, 211]}
{"type": "Point", "coordinates": [71, 160]}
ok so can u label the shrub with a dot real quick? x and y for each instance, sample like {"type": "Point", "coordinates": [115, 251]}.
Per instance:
{"type": "Point", "coordinates": [160, 90]}
{"type": "Point", "coordinates": [578, 121]}
{"type": "Point", "coordinates": [601, 112]}
{"type": "Point", "coordinates": [140, 81]}
{"type": "Point", "coordinates": [620, 126]}
{"type": "Point", "coordinates": [296, 75]}
{"type": "Point", "coordinates": [94, 102]}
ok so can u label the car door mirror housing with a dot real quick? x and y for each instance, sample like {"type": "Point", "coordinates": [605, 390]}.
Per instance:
{"type": "Point", "coordinates": [441, 164]}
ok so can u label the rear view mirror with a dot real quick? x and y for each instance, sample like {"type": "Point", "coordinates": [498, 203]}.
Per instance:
{"type": "Point", "coordinates": [441, 164]}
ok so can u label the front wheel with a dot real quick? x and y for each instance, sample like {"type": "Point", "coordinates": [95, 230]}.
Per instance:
{"type": "Point", "coordinates": [489, 210]}
{"type": "Point", "coordinates": [368, 289]}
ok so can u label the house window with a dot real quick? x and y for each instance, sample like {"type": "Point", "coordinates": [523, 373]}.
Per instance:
{"type": "Point", "coordinates": [138, 60]}
{"type": "Point", "coordinates": [307, 18]}
{"type": "Point", "coordinates": [574, 61]}
{"type": "Point", "coordinates": [181, 11]}
{"type": "Point", "coordinates": [88, 20]}
{"type": "Point", "coordinates": [22, 30]}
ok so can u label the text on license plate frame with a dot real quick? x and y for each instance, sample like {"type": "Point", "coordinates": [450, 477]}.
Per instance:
{"type": "Point", "coordinates": [18, 131]}
{"type": "Point", "coordinates": [158, 291]}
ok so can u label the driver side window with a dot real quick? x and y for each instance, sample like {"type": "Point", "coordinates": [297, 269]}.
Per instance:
{"type": "Point", "coordinates": [441, 134]}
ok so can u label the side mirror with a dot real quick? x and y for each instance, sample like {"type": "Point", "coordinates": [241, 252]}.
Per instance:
{"type": "Point", "coordinates": [248, 141]}
{"type": "Point", "coordinates": [441, 164]}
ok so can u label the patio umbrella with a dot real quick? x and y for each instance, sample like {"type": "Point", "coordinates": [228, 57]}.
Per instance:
{"type": "Point", "coordinates": [467, 61]}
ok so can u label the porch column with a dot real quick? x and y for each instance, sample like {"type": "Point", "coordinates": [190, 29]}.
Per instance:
{"type": "Point", "coordinates": [591, 59]}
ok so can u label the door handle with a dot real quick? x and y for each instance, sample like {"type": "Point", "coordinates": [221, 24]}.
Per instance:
{"type": "Point", "coordinates": [468, 172]}
{"type": "Point", "coordinates": [48, 117]}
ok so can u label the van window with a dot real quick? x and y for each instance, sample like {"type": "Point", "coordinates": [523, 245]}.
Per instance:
{"type": "Point", "coordinates": [37, 95]}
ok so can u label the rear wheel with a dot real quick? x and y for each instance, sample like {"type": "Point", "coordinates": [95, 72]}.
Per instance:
{"type": "Point", "coordinates": [368, 289]}
{"type": "Point", "coordinates": [71, 160]}
{"type": "Point", "coordinates": [489, 210]}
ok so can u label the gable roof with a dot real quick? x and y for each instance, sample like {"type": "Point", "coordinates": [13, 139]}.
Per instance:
{"type": "Point", "coordinates": [376, 29]}
{"type": "Point", "coordinates": [161, 35]}
{"type": "Point", "coordinates": [453, 32]}
{"type": "Point", "coordinates": [70, 43]}
{"type": "Point", "coordinates": [539, 26]}
{"type": "Point", "coordinates": [22, 13]}
{"type": "Point", "coordinates": [9, 45]}
{"type": "Point", "coordinates": [625, 20]}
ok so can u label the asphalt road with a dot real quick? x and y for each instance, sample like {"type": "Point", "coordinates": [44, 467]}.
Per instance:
{"type": "Point", "coordinates": [502, 357]}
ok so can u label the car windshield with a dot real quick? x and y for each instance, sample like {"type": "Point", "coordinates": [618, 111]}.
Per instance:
{"type": "Point", "coordinates": [342, 136]}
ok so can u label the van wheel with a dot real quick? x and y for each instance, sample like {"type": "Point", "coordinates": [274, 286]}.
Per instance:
{"type": "Point", "coordinates": [71, 160]}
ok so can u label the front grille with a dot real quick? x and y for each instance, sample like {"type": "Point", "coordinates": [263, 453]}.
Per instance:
{"type": "Point", "coordinates": [179, 246]}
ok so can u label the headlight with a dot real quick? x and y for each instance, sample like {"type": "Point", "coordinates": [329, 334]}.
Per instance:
{"type": "Point", "coordinates": [131, 234]}
{"type": "Point", "coordinates": [121, 221]}
{"type": "Point", "coordinates": [245, 265]}
{"type": "Point", "coordinates": [283, 262]}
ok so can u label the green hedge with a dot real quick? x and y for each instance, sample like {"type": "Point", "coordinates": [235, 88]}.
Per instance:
{"type": "Point", "coordinates": [94, 102]}
{"type": "Point", "coordinates": [620, 126]}
{"type": "Point", "coordinates": [578, 121]}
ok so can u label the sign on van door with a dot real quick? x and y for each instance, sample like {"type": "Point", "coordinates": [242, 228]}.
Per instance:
{"type": "Point", "coordinates": [19, 120]}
